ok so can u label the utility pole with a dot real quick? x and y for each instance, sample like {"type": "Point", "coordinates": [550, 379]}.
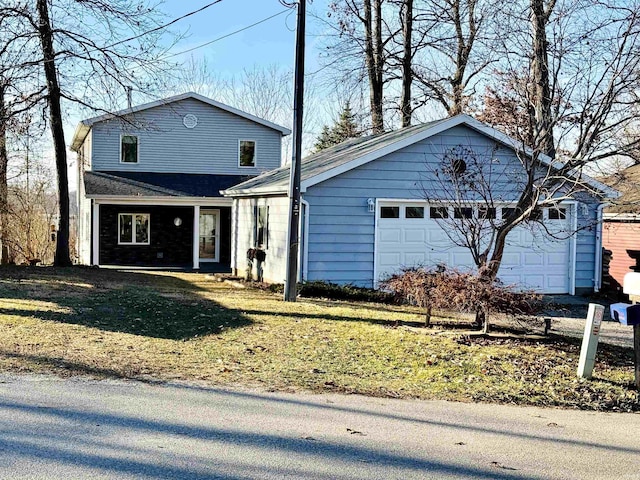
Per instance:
{"type": "Point", "coordinates": [290, 291]}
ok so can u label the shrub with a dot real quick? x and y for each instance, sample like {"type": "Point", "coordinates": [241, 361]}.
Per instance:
{"type": "Point", "coordinates": [334, 291]}
{"type": "Point", "coordinates": [453, 290]}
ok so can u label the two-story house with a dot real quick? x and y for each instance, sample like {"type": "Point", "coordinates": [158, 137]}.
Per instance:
{"type": "Point", "coordinates": [149, 180]}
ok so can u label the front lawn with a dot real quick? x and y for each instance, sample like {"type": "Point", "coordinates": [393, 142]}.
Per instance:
{"type": "Point", "coordinates": [180, 326]}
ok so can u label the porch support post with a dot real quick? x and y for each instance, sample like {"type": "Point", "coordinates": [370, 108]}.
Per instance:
{"type": "Point", "coordinates": [196, 237]}
{"type": "Point", "coordinates": [95, 234]}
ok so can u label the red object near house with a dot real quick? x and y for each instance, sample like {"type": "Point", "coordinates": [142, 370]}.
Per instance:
{"type": "Point", "coordinates": [620, 237]}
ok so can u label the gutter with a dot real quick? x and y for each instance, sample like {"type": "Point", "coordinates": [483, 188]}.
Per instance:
{"type": "Point", "coordinates": [597, 274]}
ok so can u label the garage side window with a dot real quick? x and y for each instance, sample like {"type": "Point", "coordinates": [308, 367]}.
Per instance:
{"type": "Point", "coordinates": [133, 229]}
{"type": "Point", "coordinates": [557, 214]}
{"type": "Point", "coordinates": [261, 223]}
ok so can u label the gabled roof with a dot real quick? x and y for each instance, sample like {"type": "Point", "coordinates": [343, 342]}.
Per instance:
{"type": "Point", "coordinates": [85, 125]}
{"type": "Point", "coordinates": [356, 152]}
{"type": "Point", "coordinates": [150, 184]}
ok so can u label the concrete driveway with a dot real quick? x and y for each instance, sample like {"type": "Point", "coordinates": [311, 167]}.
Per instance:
{"type": "Point", "coordinates": [56, 428]}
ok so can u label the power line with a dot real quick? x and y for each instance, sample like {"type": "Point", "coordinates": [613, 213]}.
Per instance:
{"type": "Point", "coordinates": [162, 27]}
{"type": "Point", "coordinates": [225, 36]}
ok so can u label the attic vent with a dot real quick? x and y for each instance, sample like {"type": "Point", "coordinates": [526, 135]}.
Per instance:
{"type": "Point", "coordinates": [190, 120]}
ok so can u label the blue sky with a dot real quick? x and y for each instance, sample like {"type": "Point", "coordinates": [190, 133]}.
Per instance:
{"type": "Point", "coordinates": [271, 42]}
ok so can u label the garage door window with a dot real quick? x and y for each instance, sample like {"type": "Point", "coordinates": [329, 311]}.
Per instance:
{"type": "Point", "coordinates": [463, 212]}
{"type": "Point", "coordinates": [389, 212]}
{"type": "Point", "coordinates": [414, 212]}
{"type": "Point", "coordinates": [438, 212]}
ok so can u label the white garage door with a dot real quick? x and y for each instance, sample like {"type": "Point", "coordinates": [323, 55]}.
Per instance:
{"type": "Point", "coordinates": [408, 235]}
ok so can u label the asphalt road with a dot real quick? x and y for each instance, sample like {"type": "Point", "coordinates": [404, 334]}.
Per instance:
{"type": "Point", "coordinates": [82, 429]}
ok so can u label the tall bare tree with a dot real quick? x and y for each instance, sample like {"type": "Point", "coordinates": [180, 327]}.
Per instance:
{"type": "Point", "coordinates": [96, 51]}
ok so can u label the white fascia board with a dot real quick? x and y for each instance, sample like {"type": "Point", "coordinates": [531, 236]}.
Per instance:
{"type": "Point", "coordinates": [164, 201]}
{"type": "Point", "coordinates": [79, 136]}
{"type": "Point", "coordinates": [622, 217]}
{"type": "Point", "coordinates": [270, 192]}
{"type": "Point", "coordinates": [183, 96]}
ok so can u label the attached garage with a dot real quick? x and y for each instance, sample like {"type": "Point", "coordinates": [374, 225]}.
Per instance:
{"type": "Point", "coordinates": [413, 233]}
{"type": "Point", "coordinates": [366, 214]}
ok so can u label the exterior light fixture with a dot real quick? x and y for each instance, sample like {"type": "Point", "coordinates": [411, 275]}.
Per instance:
{"type": "Point", "coordinates": [177, 221]}
{"type": "Point", "coordinates": [371, 203]}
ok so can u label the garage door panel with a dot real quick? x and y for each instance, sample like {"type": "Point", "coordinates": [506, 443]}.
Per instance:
{"type": "Point", "coordinates": [390, 236]}
{"type": "Point", "coordinates": [415, 235]}
{"type": "Point", "coordinates": [530, 260]}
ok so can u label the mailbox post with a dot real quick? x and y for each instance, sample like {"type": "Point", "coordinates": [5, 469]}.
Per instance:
{"type": "Point", "coordinates": [590, 340]}
{"type": "Point", "coordinates": [632, 288]}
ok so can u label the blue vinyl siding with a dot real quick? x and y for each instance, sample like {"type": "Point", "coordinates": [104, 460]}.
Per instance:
{"type": "Point", "coordinates": [166, 145]}
{"type": "Point", "coordinates": [342, 231]}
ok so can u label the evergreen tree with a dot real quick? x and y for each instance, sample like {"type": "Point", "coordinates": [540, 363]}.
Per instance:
{"type": "Point", "coordinates": [345, 128]}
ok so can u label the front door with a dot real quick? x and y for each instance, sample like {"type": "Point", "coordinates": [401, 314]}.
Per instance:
{"type": "Point", "coordinates": [209, 235]}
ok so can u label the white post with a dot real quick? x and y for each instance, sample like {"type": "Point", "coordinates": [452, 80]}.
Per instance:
{"type": "Point", "coordinates": [196, 237]}
{"type": "Point", "coordinates": [95, 234]}
{"type": "Point", "coordinates": [590, 340]}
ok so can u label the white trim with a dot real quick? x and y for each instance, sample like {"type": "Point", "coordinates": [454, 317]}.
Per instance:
{"type": "Point", "coordinates": [375, 245]}
{"type": "Point", "coordinates": [215, 211]}
{"type": "Point", "coordinates": [234, 237]}
{"type": "Point", "coordinates": [597, 268]}
{"type": "Point", "coordinates": [621, 217]}
{"type": "Point", "coordinates": [95, 234]}
{"type": "Point", "coordinates": [196, 237]}
{"type": "Point", "coordinates": [435, 130]}
{"type": "Point", "coordinates": [137, 162]}
{"type": "Point", "coordinates": [133, 229]}
{"type": "Point", "coordinates": [162, 201]}
{"type": "Point", "coordinates": [574, 247]}
{"type": "Point", "coordinates": [85, 125]}
{"type": "Point", "coordinates": [304, 251]}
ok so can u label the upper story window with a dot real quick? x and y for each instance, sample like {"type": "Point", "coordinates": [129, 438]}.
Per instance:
{"type": "Point", "coordinates": [247, 154]}
{"type": "Point", "coordinates": [129, 149]}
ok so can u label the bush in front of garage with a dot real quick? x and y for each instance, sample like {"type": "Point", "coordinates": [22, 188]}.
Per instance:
{"type": "Point", "coordinates": [453, 290]}
{"type": "Point", "coordinates": [333, 291]}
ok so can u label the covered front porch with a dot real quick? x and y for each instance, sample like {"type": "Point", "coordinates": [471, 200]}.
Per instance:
{"type": "Point", "coordinates": [162, 234]}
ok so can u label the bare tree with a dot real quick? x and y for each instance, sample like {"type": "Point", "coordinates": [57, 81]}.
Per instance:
{"type": "Point", "coordinates": [96, 51]}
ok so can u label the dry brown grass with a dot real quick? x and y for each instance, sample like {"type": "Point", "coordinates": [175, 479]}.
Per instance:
{"type": "Point", "coordinates": [184, 326]}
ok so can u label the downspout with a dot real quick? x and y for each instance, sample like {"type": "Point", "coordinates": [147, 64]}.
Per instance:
{"type": "Point", "coordinates": [597, 274]}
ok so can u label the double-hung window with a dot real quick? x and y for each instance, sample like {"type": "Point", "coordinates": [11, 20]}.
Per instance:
{"type": "Point", "coordinates": [247, 153]}
{"type": "Point", "coordinates": [133, 229]}
{"type": "Point", "coordinates": [129, 149]}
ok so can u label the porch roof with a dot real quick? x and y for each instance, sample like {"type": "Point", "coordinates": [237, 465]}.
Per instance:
{"type": "Point", "coordinates": [150, 184]}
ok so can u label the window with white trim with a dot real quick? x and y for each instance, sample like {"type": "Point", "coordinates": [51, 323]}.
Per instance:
{"type": "Point", "coordinates": [261, 223]}
{"type": "Point", "coordinates": [129, 149]}
{"type": "Point", "coordinates": [247, 153]}
{"type": "Point", "coordinates": [133, 228]}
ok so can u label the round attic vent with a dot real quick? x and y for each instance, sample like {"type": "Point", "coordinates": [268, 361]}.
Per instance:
{"type": "Point", "coordinates": [190, 120]}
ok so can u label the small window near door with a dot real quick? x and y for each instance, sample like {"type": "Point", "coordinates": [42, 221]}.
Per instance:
{"type": "Point", "coordinates": [438, 212]}
{"type": "Point", "coordinates": [389, 212]}
{"type": "Point", "coordinates": [414, 212]}
{"type": "Point", "coordinates": [247, 154]}
{"type": "Point", "coordinates": [133, 229]}
{"type": "Point", "coordinates": [262, 227]}
{"type": "Point", "coordinates": [557, 213]}
{"type": "Point", "coordinates": [129, 149]}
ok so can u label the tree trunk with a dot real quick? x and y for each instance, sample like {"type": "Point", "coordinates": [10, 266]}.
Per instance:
{"type": "Point", "coordinates": [427, 317]}
{"type": "Point", "coordinates": [4, 161]}
{"type": "Point", "coordinates": [540, 72]}
{"type": "Point", "coordinates": [55, 119]}
{"type": "Point", "coordinates": [407, 57]}
{"type": "Point", "coordinates": [374, 60]}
